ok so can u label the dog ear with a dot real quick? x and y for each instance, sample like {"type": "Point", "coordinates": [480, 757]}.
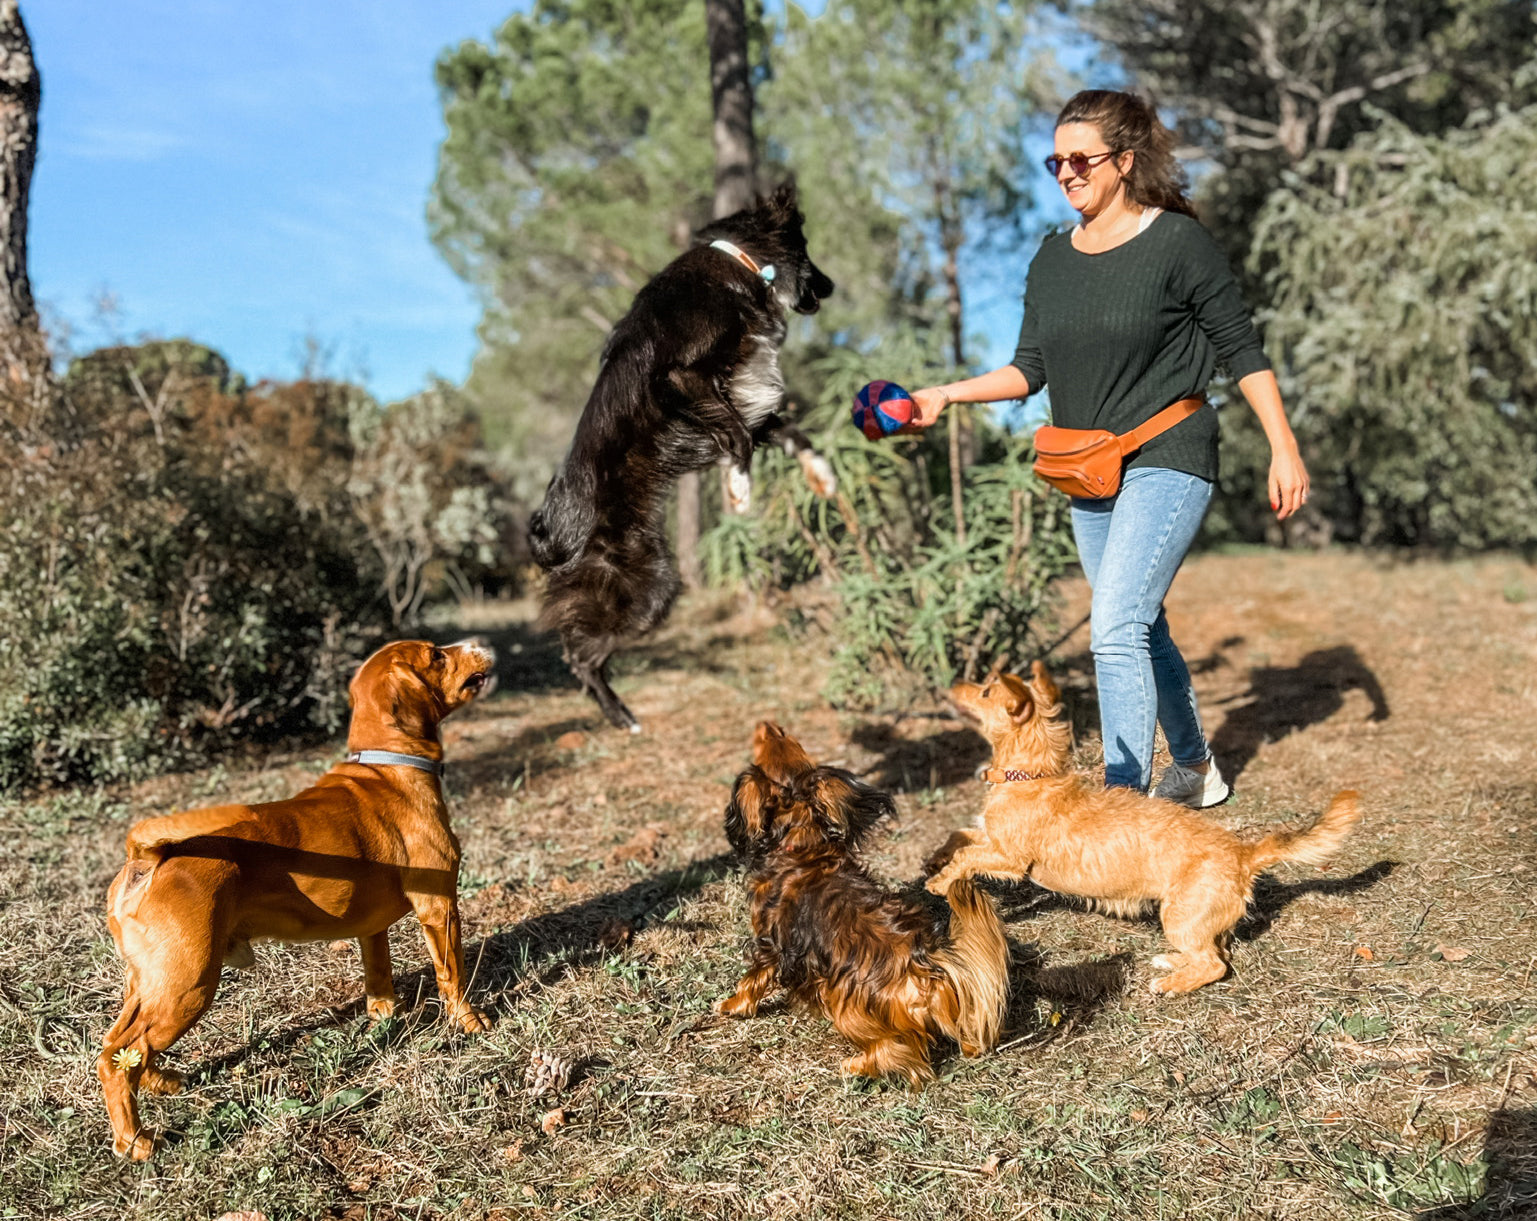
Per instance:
{"type": "Point", "coordinates": [846, 807]}
{"type": "Point", "coordinates": [1021, 702]}
{"type": "Point", "coordinates": [1041, 679]}
{"type": "Point", "coordinates": [785, 199]}
{"type": "Point", "coordinates": [746, 813]}
{"type": "Point", "coordinates": [781, 757]}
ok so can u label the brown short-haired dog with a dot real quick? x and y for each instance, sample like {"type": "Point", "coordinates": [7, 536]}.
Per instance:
{"type": "Point", "coordinates": [347, 857]}
{"type": "Point", "coordinates": [871, 961]}
{"type": "Point", "coordinates": [1120, 848]}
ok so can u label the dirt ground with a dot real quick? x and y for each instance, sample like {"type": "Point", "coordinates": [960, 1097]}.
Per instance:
{"type": "Point", "coordinates": [1373, 1053]}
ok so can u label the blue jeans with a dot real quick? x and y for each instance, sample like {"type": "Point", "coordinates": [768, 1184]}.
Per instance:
{"type": "Point", "coordinates": [1131, 545]}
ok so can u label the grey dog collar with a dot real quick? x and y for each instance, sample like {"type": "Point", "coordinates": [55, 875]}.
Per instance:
{"type": "Point", "coordinates": [389, 758]}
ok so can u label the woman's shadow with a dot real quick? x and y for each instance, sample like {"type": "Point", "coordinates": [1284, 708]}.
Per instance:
{"type": "Point", "coordinates": [1282, 699]}
{"type": "Point", "coordinates": [1510, 1183]}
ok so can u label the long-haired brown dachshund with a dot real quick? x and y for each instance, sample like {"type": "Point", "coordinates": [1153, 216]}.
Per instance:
{"type": "Point", "coordinates": [347, 857]}
{"type": "Point", "coordinates": [1120, 848]}
{"type": "Point", "coordinates": [823, 929]}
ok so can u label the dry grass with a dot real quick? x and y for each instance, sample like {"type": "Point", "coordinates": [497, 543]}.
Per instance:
{"type": "Point", "coordinates": [1374, 1053]}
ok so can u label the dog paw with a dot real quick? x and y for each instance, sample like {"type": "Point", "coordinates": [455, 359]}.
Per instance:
{"type": "Point", "coordinates": [1163, 963]}
{"type": "Point", "coordinates": [858, 1066]}
{"type": "Point", "coordinates": [473, 1021]}
{"type": "Point", "coordinates": [139, 1148]}
{"type": "Point", "coordinates": [739, 489]}
{"type": "Point", "coordinates": [380, 1007]}
{"type": "Point", "coordinates": [734, 1006]}
{"type": "Point", "coordinates": [819, 473]}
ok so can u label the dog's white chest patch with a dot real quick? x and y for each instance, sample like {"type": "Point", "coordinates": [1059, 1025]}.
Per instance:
{"type": "Point", "coordinates": [757, 387]}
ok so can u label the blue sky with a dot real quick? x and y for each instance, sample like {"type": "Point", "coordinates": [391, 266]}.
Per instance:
{"type": "Point", "coordinates": [249, 175]}
{"type": "Point", "coordinates": [255, 175]}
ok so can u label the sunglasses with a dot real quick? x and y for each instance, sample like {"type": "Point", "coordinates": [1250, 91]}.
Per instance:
{"type": "Point", "coordinates": [1079, 163]}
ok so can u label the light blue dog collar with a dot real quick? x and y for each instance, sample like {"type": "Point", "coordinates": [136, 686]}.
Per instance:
{"type": "Point", "coordinates": [388, 758]}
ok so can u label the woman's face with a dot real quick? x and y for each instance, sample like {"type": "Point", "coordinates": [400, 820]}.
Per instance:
{"type": "Point", "coordinates": [1099, 185]}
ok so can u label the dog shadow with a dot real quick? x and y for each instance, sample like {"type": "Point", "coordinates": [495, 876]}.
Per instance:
{"type": "Point", "coordinates": [1283, 699]}
{"type": "Point", "coordinates": [583, 933]}
{"type": "Point", "coordinates": [1271, 897]}
{"type": "Point", "coordinates": [531, 750]}
{"type": "Point", "coordinates": [1510, 1183]}
{"type": "Point", "coordinates": [951, 756]}
{"type": "Point", "coordinates": [1074, 993]}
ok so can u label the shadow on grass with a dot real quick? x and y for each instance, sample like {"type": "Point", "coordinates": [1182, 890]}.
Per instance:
{"type": "Point", "coordinates": [1271, 897]}
{"type": "Point", "coordinates": [530, 750]}
{"type": "Point", "coordinates": [1075, 993]}
{"type": "Point", "coordinates": [1510, 1183]}
{"type": "Point", "coordinates": [1282, 699]}
{"type": "Point", "coordinates": [584, 932]}
{"type": "Point", "coordinates": [577, 935]}
{"type": "Point", "coordinates": [948, 757]}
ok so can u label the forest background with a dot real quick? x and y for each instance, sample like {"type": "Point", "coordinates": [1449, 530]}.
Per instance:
{"type": "Point", "coordinates": [224, 551]}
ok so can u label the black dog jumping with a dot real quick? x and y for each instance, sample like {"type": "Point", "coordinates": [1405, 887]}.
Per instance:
{"type": "Point", "coordinates": [689, 377]}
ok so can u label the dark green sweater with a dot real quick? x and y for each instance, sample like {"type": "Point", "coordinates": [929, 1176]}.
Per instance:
{"type": "Point", "coordinates": [1119, 336]}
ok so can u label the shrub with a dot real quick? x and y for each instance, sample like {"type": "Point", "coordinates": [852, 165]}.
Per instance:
{"type": "Point", "coordinates": [915, 608]}
{"type": "Point", "coordinates": [185, 562]}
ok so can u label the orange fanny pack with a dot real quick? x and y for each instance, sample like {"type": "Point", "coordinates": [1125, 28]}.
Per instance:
{"type": "Point", "coordinates": [1087, 462]}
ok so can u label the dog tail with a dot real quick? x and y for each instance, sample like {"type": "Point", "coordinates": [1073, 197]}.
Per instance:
{"type": "Point", "coordinates": [1312, 845]}
{"type": "Point", "coordinates": [976, 963]}
{"type": "Point", "coordinates": [148, 837]}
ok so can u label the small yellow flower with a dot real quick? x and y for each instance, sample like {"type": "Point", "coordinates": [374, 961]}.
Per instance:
{"type": "Point", "coordinates": [1055, 1017]}
{"type": "Point", "coordinates": [127, 1057]}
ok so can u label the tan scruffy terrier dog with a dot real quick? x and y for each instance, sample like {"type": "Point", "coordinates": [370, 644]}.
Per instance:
{"type": "Point", "coordinates": [1122, 849]}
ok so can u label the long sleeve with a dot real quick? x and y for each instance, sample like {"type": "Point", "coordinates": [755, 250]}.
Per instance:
{"type": "Point", "coordinates": [1028, 358]}
{"type": "Point", "coordinates": [1214, 296]}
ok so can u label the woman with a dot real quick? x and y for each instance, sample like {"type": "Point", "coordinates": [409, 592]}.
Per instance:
{"type": "Point", "coordinates": [1129, 312]}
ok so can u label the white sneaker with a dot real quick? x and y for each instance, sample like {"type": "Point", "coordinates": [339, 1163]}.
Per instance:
{"type": "Point", "coordinates": [1198, 790]}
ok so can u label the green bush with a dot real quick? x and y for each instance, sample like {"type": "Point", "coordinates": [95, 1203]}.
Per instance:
{"type": "Point", "coordinates": [185, 562]}
{"type": "Point", "coordinates": [915, 609]}
{"type": "Point", "coordinates": [1402, 318]}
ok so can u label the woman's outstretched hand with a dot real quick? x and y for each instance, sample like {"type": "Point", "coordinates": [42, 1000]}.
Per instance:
{"type": "Point", "coordinates": [1288, 482]}
{"type": "Point", "coordinates": [927, 404]}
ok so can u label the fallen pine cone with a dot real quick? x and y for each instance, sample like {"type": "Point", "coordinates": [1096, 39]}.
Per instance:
{"type": "Point", "coordinates": [546, 1073]}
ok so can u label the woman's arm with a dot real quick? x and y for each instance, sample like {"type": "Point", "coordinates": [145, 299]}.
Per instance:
{"type": "Point", "coordinates": [1005, 383]}
{"type": "Point", "coordinates": [1288, 475]}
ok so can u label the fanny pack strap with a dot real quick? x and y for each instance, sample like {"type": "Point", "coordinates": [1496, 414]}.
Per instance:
{"type": "Point", "coordinates": [1162, 422]}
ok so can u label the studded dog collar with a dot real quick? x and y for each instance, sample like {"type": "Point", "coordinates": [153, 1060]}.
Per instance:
{"type": "Point", "coordinates": [1009, 775]}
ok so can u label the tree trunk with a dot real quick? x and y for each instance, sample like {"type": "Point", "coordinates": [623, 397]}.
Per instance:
{"type": "Point", "coordinates": [736, 164]}
{"type": "Point", "coordinates": [20, 93]}
{"type": "Point", "coordinates": [960, 434]}
{"type": "Point", "coordinates": [736, 151]}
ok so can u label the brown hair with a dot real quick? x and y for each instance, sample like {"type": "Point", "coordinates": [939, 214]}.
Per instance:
{"type": "Point", "coordinates": [1129, 124]}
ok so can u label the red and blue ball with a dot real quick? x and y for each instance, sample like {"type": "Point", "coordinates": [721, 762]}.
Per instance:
{"type": "Point", "coordinates": [882, 408]}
